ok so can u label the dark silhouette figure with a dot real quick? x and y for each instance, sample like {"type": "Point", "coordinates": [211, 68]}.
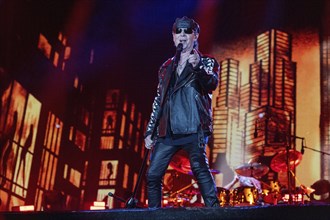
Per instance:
{"type": "Point", "coordinates": [110, 168]}
{"type": "Point", "coordinates": [6, 147]}
{"type": "Point", "coordinates": [24, 151]}
{"type": "Point", "coordinates": [109, 122]}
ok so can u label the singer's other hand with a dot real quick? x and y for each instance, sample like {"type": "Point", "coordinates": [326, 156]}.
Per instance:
{"type": "Point", "coordinates": [148, 142]}
{"type": "Point", "coordinates": [194, 58]}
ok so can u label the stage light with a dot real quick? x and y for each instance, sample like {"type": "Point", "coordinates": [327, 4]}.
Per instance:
{"type": "Point", "coordinates": [97, 205]}
{"type": "Point", "coordinates": [165, 202]}
{"type": "Point", "coordinates": [23, 208]}
{"type": "Point", "coordinates": [261, 115]}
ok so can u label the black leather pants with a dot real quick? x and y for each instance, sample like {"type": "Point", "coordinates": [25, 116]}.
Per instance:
{"type": "Point", "coordinates": [160, 159]}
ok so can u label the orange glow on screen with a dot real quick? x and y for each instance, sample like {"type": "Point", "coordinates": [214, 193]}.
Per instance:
{"type": "Point", "coordinates": [18, 148]}
{"type": "Point", "coordinates": [80, 140]}
{"type": "Point", "coordinates": [75, 177]}
{"type": "Point", "coordinates": [67, 53]}
{"type": "Point", "coordinates": [306, 53]}
{"type": "Point", "coordinates": [44, 46]}
{"type": "Point", "coordinates": [125, 177]}
{"type": "Point", "coordinates": [56, 57]}
{"type": "Point", "coordinates": [107, 142]}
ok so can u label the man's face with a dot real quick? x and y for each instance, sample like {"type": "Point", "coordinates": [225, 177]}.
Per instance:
{"type": "Point", "coordinates": [186, 36]}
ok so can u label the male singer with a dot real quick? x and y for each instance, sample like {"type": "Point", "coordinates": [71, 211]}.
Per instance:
{"type": "Point", "coordinates": [181, 115]}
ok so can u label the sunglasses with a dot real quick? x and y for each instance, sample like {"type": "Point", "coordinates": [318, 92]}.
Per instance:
{"type": "Point", "coordinates": [186, 30]}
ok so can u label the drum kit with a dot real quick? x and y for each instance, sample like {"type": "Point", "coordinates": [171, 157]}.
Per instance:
{"type": "Point", "coordinates": [188, 195]}
{"type": "Point", "coordinates": [270, 192]}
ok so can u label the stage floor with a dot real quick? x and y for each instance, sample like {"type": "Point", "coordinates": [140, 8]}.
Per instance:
{"type": "Point", "coordinates": [315, 212]}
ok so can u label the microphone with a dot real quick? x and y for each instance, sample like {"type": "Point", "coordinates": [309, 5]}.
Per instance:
{"type": "Point", "coordinates": [116, 197]}
{"type": "Point", "coordinates": [179, 49]}
{"type": "Point", "coordinates": [255, 134]}
{"type": "Point", "coordinates": [302, 150]}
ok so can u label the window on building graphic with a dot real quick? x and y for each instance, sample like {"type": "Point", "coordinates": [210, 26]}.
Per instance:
{"type": "Point", "coordinates": [19, 118]}
{"type": "Point", "coordinates": [108, 172]}
{"type": "Point", "coordinates": [49, 157]}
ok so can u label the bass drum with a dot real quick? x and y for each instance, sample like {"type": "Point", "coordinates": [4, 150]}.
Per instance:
{"type": "Point", "coordinates": [244, 196]}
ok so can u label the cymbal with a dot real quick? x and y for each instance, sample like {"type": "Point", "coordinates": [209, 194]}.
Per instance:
{"type": "Point", "coordinates": [256, 170]}
{"type": "Point", "coordinates": [180, 162]}
{"type": "Point", "coordinates": [279, 162]}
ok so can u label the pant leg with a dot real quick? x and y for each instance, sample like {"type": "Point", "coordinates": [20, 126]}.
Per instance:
{"type": "Point", "coordinates": [200, 168]}
{"type": "Point", "coordinates": [160, 159]}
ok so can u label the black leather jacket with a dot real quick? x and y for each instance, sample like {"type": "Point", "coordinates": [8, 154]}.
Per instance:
{"type": "Point", "coordinates": [190, 103]}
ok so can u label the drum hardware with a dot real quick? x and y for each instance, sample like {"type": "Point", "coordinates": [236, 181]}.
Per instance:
{"type": "Point", "coordinates": [273, 186]}
{"type": "Point", "coordinates": [182, 189]}
{"type": "Point", "coordinates": [180, 162]}
{"type": "Point", "coordinates": [224, 196]}
{"type": "Point", "coordinates": [273, 194]}
{"type": "Point", "coordinates": [296, 197]}
{"type": "Point", "coordinates": [269, 197]}
{"type": "Point", "coordinates": [181, 197]}
{"type": "Point", "coordinates": [178, 201]}
{"type": "Point", "coordinates": [306, 190]}
{"type": "Point", "coordinates": [270, 192]}
{"type": "Point", "coordinates": [240, 196]}
{"type": "Point", "coordinates": [249, 196]}
{"type": "Point", "coordinates": [286, 161]}
{"type": "Point", "coordinates": [245, 196]}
